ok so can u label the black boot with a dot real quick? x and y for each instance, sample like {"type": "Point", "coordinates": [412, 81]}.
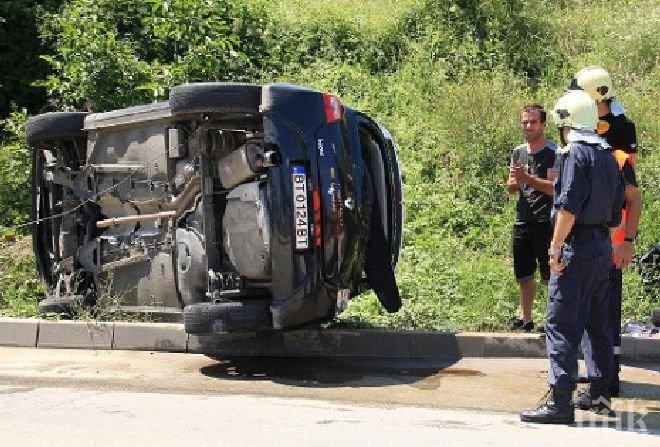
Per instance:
{"type": "Point", "coordinates": [583, 399]}
{"type": "Point", "coordinates": [596, 398]}
{"type": "Point", "coordinates": [615, 388]}
{"type": "Point", "coordinates": [557, 409]}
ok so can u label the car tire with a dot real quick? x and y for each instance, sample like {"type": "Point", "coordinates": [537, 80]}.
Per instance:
{"type": "Point", "coordinates": [230, 316]}
{"type": "Point", "coordinates": [215, 97]}
{"type": "Point", "coordinates": [55, 126]}
{"type": "Point", "coordinates": [62, 305]}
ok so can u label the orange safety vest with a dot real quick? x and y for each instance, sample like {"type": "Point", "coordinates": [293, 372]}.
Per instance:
{"type": "Point", "coordinates": [620, 233]}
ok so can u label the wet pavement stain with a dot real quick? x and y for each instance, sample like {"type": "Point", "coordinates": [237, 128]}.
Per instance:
{"type": "Point", "coordinates": [323, 372]}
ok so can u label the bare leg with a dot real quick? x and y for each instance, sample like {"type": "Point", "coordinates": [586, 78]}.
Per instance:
{"type": "Point", "coordinates": [527, 290]}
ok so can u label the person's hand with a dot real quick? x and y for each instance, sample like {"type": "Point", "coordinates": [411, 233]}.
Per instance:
{"type": "Point", "coordinates": [555, 265]}
{"type": "Point", "coordinates": [520, 174]}
{"type": "Point", "coordinates": [512, 173]}
{"type": "Point", "coordinates": [617, 256]}
{"type": "Point", "coordinates": [627, 254]}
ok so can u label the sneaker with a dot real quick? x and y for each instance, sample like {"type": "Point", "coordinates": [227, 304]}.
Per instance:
{"type": "Point", "coordinates": [517, 324]}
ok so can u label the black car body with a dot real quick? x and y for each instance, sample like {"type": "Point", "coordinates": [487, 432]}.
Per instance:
{"type": "Point", "coordinates": [248, 207]}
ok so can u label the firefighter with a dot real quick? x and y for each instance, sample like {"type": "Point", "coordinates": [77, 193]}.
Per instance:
{"type": "Point", "coordinates": [620, 134]}
{"type": "Point", "coordinates": [587, 203]}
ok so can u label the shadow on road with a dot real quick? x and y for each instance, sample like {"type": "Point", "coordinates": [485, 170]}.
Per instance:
{"type": "Point", "coordinates": [323, 372]}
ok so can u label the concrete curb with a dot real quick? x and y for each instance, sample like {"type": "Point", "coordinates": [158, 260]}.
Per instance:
{"type": "Point", "coordinates": [15, 332]}
{"type": "Point", "coordinates": [171, 337]}
{"type": "Point", "coordinates": [168, 337]}
{"type": "Point", "coordinates": [74, 334]}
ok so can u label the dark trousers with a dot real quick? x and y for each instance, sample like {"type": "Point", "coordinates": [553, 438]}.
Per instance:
{"type": "Point", "coordinates": [616, 292]}
{"type": "Point", "coordinates": [578, 300]}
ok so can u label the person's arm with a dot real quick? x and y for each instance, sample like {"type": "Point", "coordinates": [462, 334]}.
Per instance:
{"type": "Point", "coordinates": [564, 222]}
{"type": "Point", "coordinates": [572, 195]}
{"type": "Point", "coordinates": [544, 185]}
{"type": "Point", "coordinates": [539, 184]}
{"type": "Point", "coordinates": [633, 215]}
{"type": "Point", "coordinates": [511, 183]}
{"type": "Point", "coordinates": [615, 220]}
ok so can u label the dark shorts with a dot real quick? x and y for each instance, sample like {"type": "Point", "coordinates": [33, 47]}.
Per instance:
{"type": "Point", "coordinates": [530, 248]}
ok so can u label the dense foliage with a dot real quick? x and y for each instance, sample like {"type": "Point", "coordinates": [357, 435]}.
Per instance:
{"type": "Point", "coordinates": [20, 50]}
{"type": "Point", "coordinates": [448, 77]}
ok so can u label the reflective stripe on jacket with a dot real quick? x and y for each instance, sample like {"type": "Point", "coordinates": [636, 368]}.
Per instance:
{"type": "Point", "coordinates": [620, 233]}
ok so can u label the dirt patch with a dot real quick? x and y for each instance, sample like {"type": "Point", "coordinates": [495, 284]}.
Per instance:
{"type": "Point", "coordinates": [14, 249]}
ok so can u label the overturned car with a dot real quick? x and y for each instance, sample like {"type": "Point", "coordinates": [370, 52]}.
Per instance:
{"type": "Point", "coordinates": [232, 207]}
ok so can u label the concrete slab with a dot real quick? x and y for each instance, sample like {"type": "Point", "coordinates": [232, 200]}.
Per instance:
{"type": "Point", "coordinates": [18, 332]}
{"type": "Point", "coordinates": [373, 343]}
{"type": "Point", "coordinates": [647, 349]}
{"type": "Point", "coordinates": [627, 347]}
{"type": "Point", "coordinates": [471, 345]}
{"type": "Point", "coordinates": [171, 337]}
{"type": "Point", "coordinates": [75, 334]}
{"type": "Point", "coordinates": [248, 344]}
{"type": "Point", "coordinates": [437, 345]}
{"type": "Point", "coordinates": [311, 342]}
{"type": "Point", "coordinates": [516, 345]}
{"type": "Point", "coordinates": [167, 337]}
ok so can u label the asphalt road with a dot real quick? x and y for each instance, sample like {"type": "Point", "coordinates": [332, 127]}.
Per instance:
{"type": "Point", "coordinates": [77, 397]}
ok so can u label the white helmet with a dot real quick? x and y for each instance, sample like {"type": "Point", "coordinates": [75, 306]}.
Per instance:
{"type": "Point", "coordinates": [596, 81]}
{"type": "Point", "coordinates": [577, 110]}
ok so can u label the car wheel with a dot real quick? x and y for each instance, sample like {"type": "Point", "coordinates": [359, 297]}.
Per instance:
{"type": "Point", "coordinates": [230, 316]}
{"type": "Point", "coordinates": [215, 97]}
{"type": "Point", "coordinates": [41, 238]}
{"type": "Point", "coordinates": [55, 126]}
{"type": "Point", "coordinates": [62, 305]}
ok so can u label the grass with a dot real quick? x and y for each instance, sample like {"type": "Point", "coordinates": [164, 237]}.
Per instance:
{"type": "Point", "coordinates": [19, 287]}
{"type": "Point", "coordinates": [448, 80]}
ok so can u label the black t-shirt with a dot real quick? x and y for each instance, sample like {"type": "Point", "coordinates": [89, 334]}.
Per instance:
{"type": "Point", "coordinates": [534, 206]}
{"type": "Point", "coordinates": [621, 133]}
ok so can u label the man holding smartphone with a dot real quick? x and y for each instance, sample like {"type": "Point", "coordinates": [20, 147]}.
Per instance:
{"type": "Point", "coordinates": [531, 173]}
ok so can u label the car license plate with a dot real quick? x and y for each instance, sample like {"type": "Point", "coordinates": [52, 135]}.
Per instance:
{"type": "Point", "coordinates": [301, 214]}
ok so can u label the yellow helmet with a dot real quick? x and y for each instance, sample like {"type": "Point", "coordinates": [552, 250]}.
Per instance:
{"type": "Point", "coordinates": [596, 81]}
{"type": "Point", "coordinates": [577, 110]}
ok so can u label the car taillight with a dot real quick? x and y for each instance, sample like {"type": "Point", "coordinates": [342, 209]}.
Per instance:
{"type": "Point", "coordinates": [334, 110]}
{"type": "Point", "coordinates": [316, 206]}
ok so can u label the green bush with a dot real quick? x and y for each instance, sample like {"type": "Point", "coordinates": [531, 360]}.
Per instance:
{"type": "Point", "coordinates": [14, 173]}
{"type": "Point", "coordinates": [19, 287]}
{"type": "Point", "coordinates": [20, 48]}
{"type": "Point", "coordinates": [115, 53]}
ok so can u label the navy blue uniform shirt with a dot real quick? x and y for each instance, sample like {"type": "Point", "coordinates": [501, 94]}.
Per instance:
{"type": "Point", "coordinates": [589, 186]}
